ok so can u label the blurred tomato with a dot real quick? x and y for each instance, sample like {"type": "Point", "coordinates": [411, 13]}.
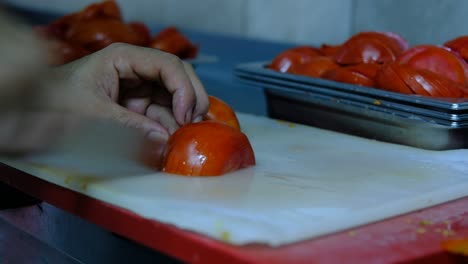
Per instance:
{"type": "Point", "coordinates": [459, 45]}
{"type": "Point", "coordinates": [105, 9]}
{"type": "Point", "coordinates": [96, 34]}
{"type": "Point", "coordinates": [171, 40]}
{"type": "Point", "coordinates": [220, 111]}
{"type": "Point", "coordinates": [61, 52]}
{"type": "Point", "coordinates": [367, 69]}
{"type": "Point", "coordinates": [315, 67]}
{"type": "Point", "coordinates": [346, 75]}
{"type": "Point", "coordinates": [307, 50]}
{"type": "Point", "coordinates": [287, 60]}
{"type": "Point", "coordinates": [418, 81]}
{"type": "Point", "coordinates": [207, 148]}
{"type": "Point", "coordinates": [437, 59]}
{"type": "Point", "coordinates": [370, 47]}
{"type": "Point", "coordinates": [387, 78]}
{"type": "Point", "coordinates": [143, 31]}
{"type": "Point", "coordinates": [329, 50]}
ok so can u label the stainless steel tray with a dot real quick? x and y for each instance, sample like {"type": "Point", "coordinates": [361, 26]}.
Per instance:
{"type": "Point", "coordinates": [423, 123]}
{"type": "Point", "coordinates": [261, 73]}
{"type": "Point", "coordinates": [448, 115]}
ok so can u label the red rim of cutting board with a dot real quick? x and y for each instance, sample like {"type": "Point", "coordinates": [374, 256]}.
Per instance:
{"type": "Point", "coordinates": [195, 248]}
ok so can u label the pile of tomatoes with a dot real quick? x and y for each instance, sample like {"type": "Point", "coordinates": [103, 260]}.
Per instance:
{"type": "Point", "coordinates": [385, 60]}
{"type": "Point", "coordinates": [99, 25]}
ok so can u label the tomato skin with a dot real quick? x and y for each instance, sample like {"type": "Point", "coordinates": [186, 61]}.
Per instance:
{"type": "Point", "coordinates": [360, 74]}
{"type": "Point", "coordinates": [207, 148]}
{"type": "Point", "coordinates": [459, 45]}
{"type": "Point", "coordinates": [286, 60]}
{"type": "Point", "coordinates": [97, 34]}
{"type": "Point", "coordinates": [329, 50]}
{"type": "Point", "coordinates": [367, 69]}
{"type": "Point", "coordinates": [437, 59]}
{"type": "Point", "coordinates": [104, 9]}
{"type": "Point", "coordinates": [316, 67]}
{"type": "Point", "coordinates": [370, 47]}
{"type": "Point", "coordinates": [388, 79]}
{"type": "Point", "coordinates": [220, 111]}
{"type": "Point", "coordinates": [307, 51]}
{"type": "Point", "coordinates": [171, 40]}
{"type": "Point", "coordinates": [289, 59]}
{"type": "Point", "coordinates": [409, 80]}
{"type": "Point", "coordinates": [143, 31]}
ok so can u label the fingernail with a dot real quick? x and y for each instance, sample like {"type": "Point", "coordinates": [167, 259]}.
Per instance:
{"type": "Point", "coordinates": [197, 119]}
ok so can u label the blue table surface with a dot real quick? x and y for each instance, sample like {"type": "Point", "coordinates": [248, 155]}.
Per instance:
{"type": "Point", "coordinates": [217, 77]}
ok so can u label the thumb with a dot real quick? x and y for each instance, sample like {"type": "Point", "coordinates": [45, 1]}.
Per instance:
{"type": "Point", "coordinates": [152, 130]}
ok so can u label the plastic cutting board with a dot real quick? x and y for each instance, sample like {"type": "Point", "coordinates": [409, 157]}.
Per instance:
{"type": "Point", "coordinates": [307, 182]}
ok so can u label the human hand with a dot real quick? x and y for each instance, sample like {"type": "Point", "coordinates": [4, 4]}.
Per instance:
{"type": "Point", "coordinates": [139, 87]}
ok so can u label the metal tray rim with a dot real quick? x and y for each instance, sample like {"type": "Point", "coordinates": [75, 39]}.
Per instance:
{"type": "Point", "coordinates": [258, 68]}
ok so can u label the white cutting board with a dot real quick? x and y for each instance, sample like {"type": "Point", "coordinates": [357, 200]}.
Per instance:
{"type": "Point", "coordinates": [307, 182]}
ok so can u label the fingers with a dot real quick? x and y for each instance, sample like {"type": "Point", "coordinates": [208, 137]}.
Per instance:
{"type": "Point", "coordinates": [152, 129]}
{"type": "Point", "coordinates": [202, 102]}
{"type": "Point", "coordinates": [137, 105]}
{"type": "Point", "coordinates": [133, 62]}
{"type": "Point", "coordinates": [163, 116]}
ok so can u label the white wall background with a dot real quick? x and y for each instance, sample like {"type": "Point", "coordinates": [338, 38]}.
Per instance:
{"type": "Point", "coordinates": [297, 21]}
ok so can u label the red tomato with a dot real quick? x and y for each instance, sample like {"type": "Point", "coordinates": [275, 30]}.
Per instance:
{"type": "Point", "coordinates": [370, 47]}
{"type": "Point", "coordinates": [396, 42]}
{"type": "Point", "coordinates": [61, 52]}
{"type": "Point", "coordinates": [207, 148]}
{"type": "Point", "coordinates": [315, 67]}
{"type": "Point", "coordinates": [329, 50]}
{"type": "Point", "coordinates": [220, 111]}
{"type": "Point", "coordinates": [96, 34]}
{"type": "Point", "coordinates": [171, 40]}
{"type": "Point", "coordinates": [367, 69]}
{"type": "Point", "coordinates": [346, 75]}
{"type": "Point", "coordinates": [143, 31]}
{"type": "Point", "coordinates": [287, 60]}
{"type": "Point", "coordinates": [104, 9]}
{"type": "Point", "coordinates": [437, 59]}
{"type": "Point", "coordinates": [59, 28]}
{"type": "Point", "coordinates": [407, 79]}
{"type": "Point", "coordinates": [459, 45]}
{"type": "Point", "coordinates": [388, 79]}
{"type": "Point", "coordinates": [307, 50]}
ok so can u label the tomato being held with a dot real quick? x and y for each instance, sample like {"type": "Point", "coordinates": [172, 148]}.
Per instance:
{"type": "Point", "coordinates": [207, 148]}
{"type": "Point", "coordinates": [220, 111]}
